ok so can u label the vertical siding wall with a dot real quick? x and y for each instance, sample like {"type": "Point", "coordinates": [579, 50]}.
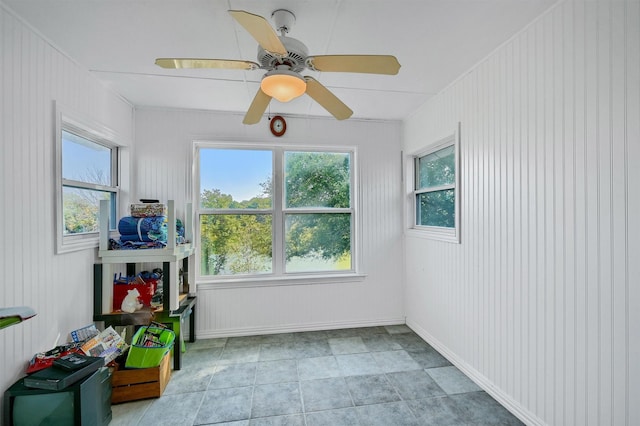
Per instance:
{"type": "Point", "coordinates": [163, 169]}
{"type": "Point", "coordinates": [540, 302]}
{"type": "Point", "coordinates": [33, 75]}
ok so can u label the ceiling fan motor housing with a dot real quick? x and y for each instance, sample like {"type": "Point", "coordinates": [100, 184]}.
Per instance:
{"type": "Point", "coordinates": [284, 19]}
{"type": "Point", "coordinates": [297, 53]}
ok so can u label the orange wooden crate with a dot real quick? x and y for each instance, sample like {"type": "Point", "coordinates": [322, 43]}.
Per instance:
{"type": "Point", "coordinates": [140, 383]}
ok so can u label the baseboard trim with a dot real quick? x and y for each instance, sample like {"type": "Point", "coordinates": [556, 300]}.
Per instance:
{"type": "Point", "coordinates": [487, 385]}
{"type": "Point", "coordinates": [295, 328]}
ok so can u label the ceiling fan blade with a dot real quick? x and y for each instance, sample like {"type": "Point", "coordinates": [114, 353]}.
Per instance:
{"type": "Point", "coordinates": [328, 100]}
{"type": "Point", "coordinates": [257, 108]}
{"type": "Point", "coordinates": [229, 64]}
{"type": "Point", "coordinates": [261, 30]}
{"type": "Point", "coordinates": [370, 64]}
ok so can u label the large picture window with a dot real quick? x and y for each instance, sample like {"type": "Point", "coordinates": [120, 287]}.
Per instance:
{"type": "Point", "coordinates": [274, 212]}
{"type": "Point", "coordinates": [87, 172]}
{"type": "Point", "coordinates": [436, 190]}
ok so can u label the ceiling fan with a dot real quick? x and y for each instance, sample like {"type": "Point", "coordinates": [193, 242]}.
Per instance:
{"type": "Point", "coordinates": [284, 58]}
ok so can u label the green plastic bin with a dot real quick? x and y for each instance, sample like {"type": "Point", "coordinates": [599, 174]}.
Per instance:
{"type": "Point", "coordinates": [146, 357]}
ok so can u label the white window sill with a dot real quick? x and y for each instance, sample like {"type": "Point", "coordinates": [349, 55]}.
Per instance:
{"type": "Point", "coordinates": [280, 281]}
{"type": "Point", "coordinates": [449, 236]}
{"type": "Point", "coordinates": [76, 243]}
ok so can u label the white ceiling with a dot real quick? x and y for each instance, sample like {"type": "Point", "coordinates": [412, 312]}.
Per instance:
{"type": "Point", "coordinates": [435, 41]}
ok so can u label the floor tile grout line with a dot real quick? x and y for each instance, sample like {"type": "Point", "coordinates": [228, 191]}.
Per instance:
{"type": "Point", "coordinates": [253, 387]}
{"type": "Point", "coordinates": [387, 374]}
{"type": "Point", "coordinates": [204, 394]}
{"type": "Point", "coordinates": [304, 417]}
{"type": "Point", "coordinates": [395, 388]}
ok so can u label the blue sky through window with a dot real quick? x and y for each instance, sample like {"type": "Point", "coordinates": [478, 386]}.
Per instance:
{"type": "Point", "coordinates": [238, 172]}
{"type": "Point", "coordinates": [84, 160]}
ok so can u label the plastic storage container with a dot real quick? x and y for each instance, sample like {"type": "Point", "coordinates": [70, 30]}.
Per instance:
{"type": "Point", "coordinates": [141, 356]}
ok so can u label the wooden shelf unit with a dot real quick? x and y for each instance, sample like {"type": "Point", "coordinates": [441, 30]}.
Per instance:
{"type": "Point", "coordinates": [172, 255]}
{"type": "Point", "coordinates": [176, 306]}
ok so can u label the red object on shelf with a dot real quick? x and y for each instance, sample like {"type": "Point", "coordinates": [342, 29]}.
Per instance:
{"type": "Point", "coordinates": [43, 360]}
{"type": "Point", "coordinates": [146, 291]}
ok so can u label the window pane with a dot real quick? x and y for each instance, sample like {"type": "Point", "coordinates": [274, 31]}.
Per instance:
{"type": "Point", "coordinates": [437, 168]}
{"type": "Point", "coordinates": [85, 161]}
{"type": "Point", "coordinates": [235, 244]}
{"type": "Point", "coordinates": [81, 209]}
{"type": "Point", "coordinates": [436, 208]}
{"type": "Point", "coordinates": [318, 242]}
{"type": "Point", "coordinates": [317, 179]}
{"type": "Point", "coordinates": [235, 178]}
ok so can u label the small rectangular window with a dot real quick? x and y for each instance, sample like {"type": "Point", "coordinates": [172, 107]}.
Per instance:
{"type": "Point", "coordinates": [236, 244]}
{"type": "Point", "coordinates": [317, 179]}
{"type": "Point", "coordinates": [436, 190]}
{"type": "Point", "coordinates": [87, 178]}
{"type": "Point", "coordinates": [87, 172]}
{"type": "Point", "coordinates": [84, 160]}
{"type": "Point", "coordinates": [318, 242]}
{"type": "Point", "coordinates": [236, 178]}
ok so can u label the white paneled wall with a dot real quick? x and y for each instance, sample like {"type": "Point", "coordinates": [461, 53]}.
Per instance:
{"type": "Point", "coordinates": [33, 75]}
{"type": "Point", "coordinates": [164, 141]}
{"type": "Point", "coordinates": [540, 301]}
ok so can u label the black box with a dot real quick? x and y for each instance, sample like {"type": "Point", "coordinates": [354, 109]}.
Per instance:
{"type": "Point", "coordinates": [56, 378]}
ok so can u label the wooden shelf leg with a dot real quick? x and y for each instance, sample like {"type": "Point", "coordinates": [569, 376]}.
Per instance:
{"type": "Point", "coordinates": [97, 289]}
{"type": "Point", "coordinates": [192, 324]}
{"type": "Point", "coordinates": [177, 346]}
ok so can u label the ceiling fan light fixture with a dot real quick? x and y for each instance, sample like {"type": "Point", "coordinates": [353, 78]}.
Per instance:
{"type": "Point", "coordinates": [283, 85]}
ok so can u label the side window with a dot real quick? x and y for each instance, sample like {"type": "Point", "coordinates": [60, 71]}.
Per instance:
{"type": "Point", "coordinates": [86, 172]}
{"type": "Point", "coordinates": [436, 190]}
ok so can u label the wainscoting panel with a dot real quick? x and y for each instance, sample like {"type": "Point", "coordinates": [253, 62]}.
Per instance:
{"type": "Point", "coordinates": [539, 302]}
{"type": "Point", "coordinates": [34, 75]}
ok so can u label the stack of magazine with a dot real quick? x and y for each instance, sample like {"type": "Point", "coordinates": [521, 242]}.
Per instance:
{"type": "Point", "coordinates": [108, 344]}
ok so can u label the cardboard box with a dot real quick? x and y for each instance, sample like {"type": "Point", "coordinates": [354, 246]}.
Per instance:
{"type": "Point", "coordinates": [140, 383]}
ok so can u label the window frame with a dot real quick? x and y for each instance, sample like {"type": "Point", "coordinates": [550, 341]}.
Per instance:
{"type": "Point", "coordinates": [84, 127]}
{"type": "Point", "coordinates": [279, 212]}
{"type": "Point", "coordinates": [436, 232]}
